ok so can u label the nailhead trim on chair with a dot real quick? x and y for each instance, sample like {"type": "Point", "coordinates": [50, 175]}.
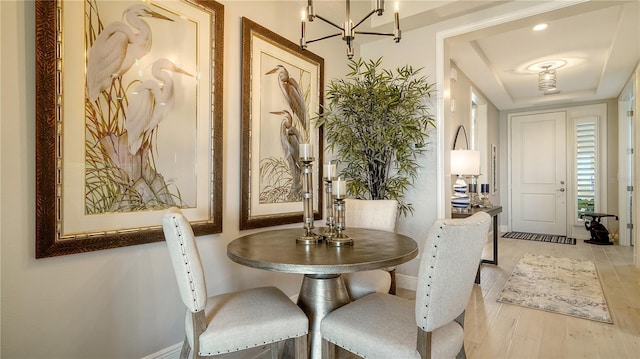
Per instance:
{"type": "Point", "coordinates": [435, 251]}
{"type": "Point", "coordinates": [187, 265]}
{"type": "Point", "coordinates": [254, 346]}
{"type": "Point", "coordinates": [347, 348]}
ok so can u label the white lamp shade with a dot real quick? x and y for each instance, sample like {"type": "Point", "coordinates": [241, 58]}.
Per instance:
{"type": "Point", "coordinates": [465, 162]}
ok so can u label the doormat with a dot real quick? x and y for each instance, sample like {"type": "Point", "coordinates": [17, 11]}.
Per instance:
{"type": "Point", "coordinates": [557, 285]}
{"type": "Point", "coordinates": [540, 237]}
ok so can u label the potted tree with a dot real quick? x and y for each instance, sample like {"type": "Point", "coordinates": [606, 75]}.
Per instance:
{"type": "Point", "coordinates": [377, 120]}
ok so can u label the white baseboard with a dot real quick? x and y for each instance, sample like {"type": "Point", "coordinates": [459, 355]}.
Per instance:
{"type": "Point", "coordinates": [172, 352]}
{"type": "Point", "coordinates": [406, 281]}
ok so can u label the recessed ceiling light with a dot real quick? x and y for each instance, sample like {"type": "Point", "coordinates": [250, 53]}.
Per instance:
{"type": "Point", "coordinates": [540, 27]}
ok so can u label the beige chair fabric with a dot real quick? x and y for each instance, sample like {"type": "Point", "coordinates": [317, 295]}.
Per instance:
{"type": "Point", "coordinates": [370, 214]}
{"type": "Point", "coordinates": [232, 321]}
{"type": "Point", "coordinates": [386, 326]}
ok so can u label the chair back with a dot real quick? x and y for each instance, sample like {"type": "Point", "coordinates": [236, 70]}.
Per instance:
{"type": "Point", "coordinates": [185, 259]}
{"type": "Point", "coordinates": [371, 214]}
{"type": "Point", "coordinates": [448, 267]}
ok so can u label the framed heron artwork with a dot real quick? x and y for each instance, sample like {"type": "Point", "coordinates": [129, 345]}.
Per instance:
{"type": "Point", "coordinates": [281, 91]}
{"type": "Point", "coordinates": [122, 100]}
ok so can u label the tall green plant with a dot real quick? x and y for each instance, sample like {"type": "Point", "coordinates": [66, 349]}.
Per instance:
{"type": "Point", "coordinates": [377, 120]}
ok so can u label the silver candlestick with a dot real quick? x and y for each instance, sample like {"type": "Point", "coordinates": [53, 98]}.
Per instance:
{"type": "Point", "coordinates": [329, 177]}
{"type": "Point", "coordinates": [309, 237]}
{"type": "Point", "coordinates": [330, 231]}
{"type": "Point", "coordinates": [340, 239]}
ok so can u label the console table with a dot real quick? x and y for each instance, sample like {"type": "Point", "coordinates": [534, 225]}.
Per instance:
{"type": "Point", "coordinates": [493, 212]}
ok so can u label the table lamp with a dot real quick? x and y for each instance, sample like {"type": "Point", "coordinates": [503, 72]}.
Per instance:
{"type": "Point", "coordinates": [464, 163]}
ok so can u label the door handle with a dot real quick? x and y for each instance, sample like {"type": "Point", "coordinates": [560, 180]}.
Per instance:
{"type": "Point", "coordinates": [561, 190]}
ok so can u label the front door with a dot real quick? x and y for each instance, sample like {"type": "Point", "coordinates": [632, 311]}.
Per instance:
{"type": "Point", "coordinates": [539, 173]}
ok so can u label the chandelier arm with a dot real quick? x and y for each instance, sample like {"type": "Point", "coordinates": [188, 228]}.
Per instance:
{"type": "Point", "coordinates": [347, 29]}
{"type": "Point", "coordinates": [373, 33]}
{"type": "Point", "coordinates": [365, 18]}
{"type": "Point", "coordinates": [329, 22]}
{"type": "Point", "coordinates": [323, 38]}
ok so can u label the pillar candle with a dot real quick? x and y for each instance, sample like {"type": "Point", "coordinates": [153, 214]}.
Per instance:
{"type": "Point", "coordinates": [304, 19]}
{"type": "Point", "coordinates": [330, 170]}
{"type": "Point", "coordinates": [341, 188]}
{"type": "Point", "coordinates": [396, 17]}
{"type": "Point", "coordinates": [306, 152]}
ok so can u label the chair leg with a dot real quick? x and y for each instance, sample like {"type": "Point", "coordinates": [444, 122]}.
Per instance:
{"type": "Point", "coordinates": [184, 353]}
{"type": "Point", "coordinates": [461, 353]}
{"type": "Point", "coordinates": [328, 349]}
{"type": "Point", "coordinates": [274, 351]}
{"type": "Point", "coordinates": [199, 324]}
{"type": "Point", "coordinates": [460, 320]}
{"type": "Point", "coordinates": [423, 343]}
{"type": "Point", "coordinates": [301, 347]}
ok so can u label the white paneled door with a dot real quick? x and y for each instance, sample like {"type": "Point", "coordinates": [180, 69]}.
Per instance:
{"type": "Point", "coordinates": [539, 173]}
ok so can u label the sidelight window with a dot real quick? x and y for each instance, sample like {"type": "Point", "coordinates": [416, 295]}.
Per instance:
{"type": "Point", "coordinates": [586, 165]}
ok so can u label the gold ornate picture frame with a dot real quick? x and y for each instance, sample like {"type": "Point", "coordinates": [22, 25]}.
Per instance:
{"type": "Point", "coordinates": [282, 89]}
{"type": "Point", "coordinates": [127, 124]}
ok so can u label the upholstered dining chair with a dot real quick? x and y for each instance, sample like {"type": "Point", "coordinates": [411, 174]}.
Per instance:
{"type": "Point", "coordinates": [370, 214]}
{"type": "Point", "coordinates": [232, 321]}
{"type": "Point", "coordinates": [387, 326]}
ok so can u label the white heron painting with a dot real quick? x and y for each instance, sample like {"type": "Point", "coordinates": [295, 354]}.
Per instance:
{"type": "Point", "coordinates": [139, 96]}
{"type": "Point", "coordinates": [285, 97]}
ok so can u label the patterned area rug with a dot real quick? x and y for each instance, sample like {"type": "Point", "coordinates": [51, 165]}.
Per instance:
{"type": "Point", "coordinates": [540, 237]}
{"type": "Point", "coordinates": [558, 285]}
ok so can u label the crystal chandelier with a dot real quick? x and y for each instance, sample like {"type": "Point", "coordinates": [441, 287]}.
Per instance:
{"type": "Point", "coordinates": [347, 30]}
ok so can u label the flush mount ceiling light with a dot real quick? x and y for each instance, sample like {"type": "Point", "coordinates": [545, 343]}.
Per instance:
{"type": "Point", "coordinates": [547, 76]}
{"type": "Point", "coordinates": [547, 79]}
{"type": "Point", "coordinates": [347, 30]}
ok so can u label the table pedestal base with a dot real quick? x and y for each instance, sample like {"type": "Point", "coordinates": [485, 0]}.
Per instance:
{"type": "Point", "coordinates": [319, 295]}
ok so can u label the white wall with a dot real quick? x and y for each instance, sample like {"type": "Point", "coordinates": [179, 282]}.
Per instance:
{"type": "Point", "coordinates": [0, 187]}
{"type": "Point", "coordinates": [636, 208]}
{"type": "Point", "coordinates": [423, 194]}
{"type": "Point", "coordinates": [418, 48]}
{"type": "Point", "coordinates": [118, 303]}
{"type": "Point", "coordinates": [123, 303]}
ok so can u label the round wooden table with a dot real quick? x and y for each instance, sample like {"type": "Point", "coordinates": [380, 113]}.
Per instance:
{"type": "Point", "coordinates": [322, 289]}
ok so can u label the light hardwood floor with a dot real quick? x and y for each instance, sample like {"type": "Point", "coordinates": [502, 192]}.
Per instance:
{"type": "Point", "coordinates": [495, 330]}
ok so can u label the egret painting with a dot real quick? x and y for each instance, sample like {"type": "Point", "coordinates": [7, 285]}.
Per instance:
{"type": "Point", "coordinates": [281, 92]}
{"type": "Point", "coordinates": [140, 87]}
{"type": "Point", "coordinates": [128, 121]}
{"type": "Point", "coordinates": [281, 171]}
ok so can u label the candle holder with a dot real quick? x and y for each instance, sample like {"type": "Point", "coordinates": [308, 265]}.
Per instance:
{"type": "Point", "coordinates": [330, 231]}
{"type": "Point", "coordinates": [484, 189]}
{"type": "Point", "coordinates": [309, 237]}
{"type": "Point", "coordinates": [339, 239]}
{"type": "Point", "coordinates": [474, 199]}
{"type": "Point", "coordinates": [329, 177]}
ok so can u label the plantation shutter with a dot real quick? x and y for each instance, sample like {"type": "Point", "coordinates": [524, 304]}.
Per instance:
{"type": "Point", "coordinates": [586, 166]}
